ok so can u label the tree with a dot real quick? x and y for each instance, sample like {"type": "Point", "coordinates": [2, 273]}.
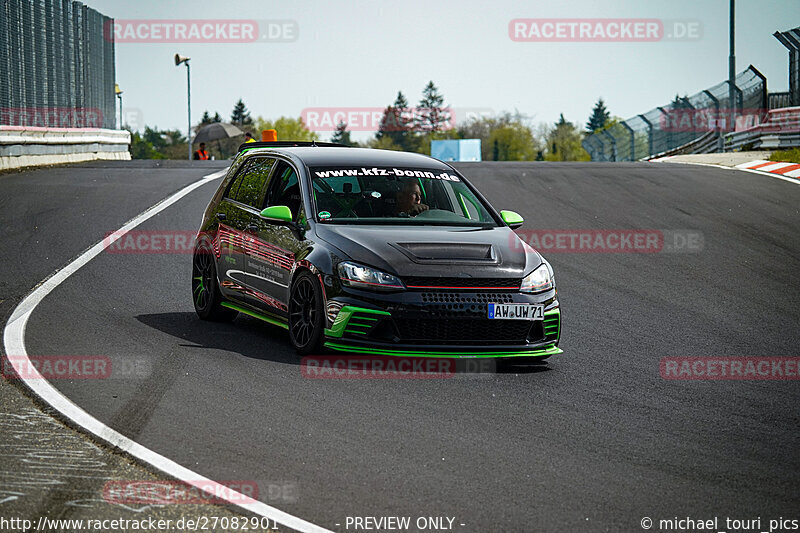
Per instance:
{"type": "Point", "coordinates": [289, 129]}
{"type": "Point", "coordinates": [397, 124]}
{"type": "Point", "coordinates": [564, 142]}
{"type": "Point", "coordinates": [598, 118]}
{"type": "Point", "coordinates": [503, 138]}
{"type": "Point", "coordinates": [207, 119]}
{"type": "Point", "coordinates": [431, 115]}
{"type": "Point", "coordinates": [384, 143]}
{"type": "Point", "coordinates": [341, 135]}
{"type": "Point", "coordinates": [143, 149]}
{"type": "Point", "coordinates": [512, 142]}
{"type": "Point", "coordinates": [157, 144]}
{"type": "Point", "coordinates": [154, 137]}
{"type": "Point", "coordinates": [240, 115]}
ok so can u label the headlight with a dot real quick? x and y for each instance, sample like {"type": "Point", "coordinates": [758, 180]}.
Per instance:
{"type": "Point", "coordinates": [362, 277]}
{"type": "Point", "coordinates": [539, 280]}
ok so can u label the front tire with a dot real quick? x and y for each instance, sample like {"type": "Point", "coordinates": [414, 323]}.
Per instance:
{"type": "Point", "coordinates": [306, 315]}
{"type": "Point", "coordinates": [206, 295]}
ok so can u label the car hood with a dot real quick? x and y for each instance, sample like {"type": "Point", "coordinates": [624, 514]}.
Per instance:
{"type": "Point", "coordinates": [440, 251]}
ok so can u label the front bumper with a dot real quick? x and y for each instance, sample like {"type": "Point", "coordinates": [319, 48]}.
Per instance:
{"type": "Point", "coordinates": [440, 324]}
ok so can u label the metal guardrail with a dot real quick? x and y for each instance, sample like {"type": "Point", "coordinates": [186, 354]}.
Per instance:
{"type": "Point", "coordinates": [779, 100]}
{"type": "Point", "coordinates": [780, 129]}
{"type": "Point", "coordinates": [22, 146]}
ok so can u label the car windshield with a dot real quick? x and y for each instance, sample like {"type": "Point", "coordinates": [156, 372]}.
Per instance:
{"type": "Point", "coordinates": [391, 195]}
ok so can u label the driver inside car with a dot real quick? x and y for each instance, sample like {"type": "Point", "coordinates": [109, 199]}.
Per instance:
{"type": "Point", "coordinates": [409, 200]}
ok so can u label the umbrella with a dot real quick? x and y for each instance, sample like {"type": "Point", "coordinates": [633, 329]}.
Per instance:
{"type": "Point", "coordinates": [215, 131]}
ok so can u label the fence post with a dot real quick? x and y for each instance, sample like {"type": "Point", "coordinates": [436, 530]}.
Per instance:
{"type": "Point", "coordinates": [613, 144]}
{"type": "Point", "coordinates": [720, 144]}
{"type": "Point", "coordinates": [633, 142]}
{"type": "Point", "coordinates": [649, 135]}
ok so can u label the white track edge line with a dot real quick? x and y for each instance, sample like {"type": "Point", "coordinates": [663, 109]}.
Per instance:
{"type": "Point", "coordinates": [772, 174]}
{"type": "Point", "coordinates": [14, 342]}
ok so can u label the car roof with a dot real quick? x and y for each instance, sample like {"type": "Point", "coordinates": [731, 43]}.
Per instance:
{"type": "Point", "coordinates": [320, 156]}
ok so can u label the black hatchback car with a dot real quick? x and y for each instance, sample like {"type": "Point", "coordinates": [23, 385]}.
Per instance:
{"type": "Point", "coordinates": [371, 251]}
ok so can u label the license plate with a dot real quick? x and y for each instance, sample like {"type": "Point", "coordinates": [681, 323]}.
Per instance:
{"type": "Point", "coordinates": [516, 311]}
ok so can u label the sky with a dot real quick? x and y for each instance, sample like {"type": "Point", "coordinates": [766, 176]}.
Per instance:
{"type": "Point", "coordinates": [340, 54]}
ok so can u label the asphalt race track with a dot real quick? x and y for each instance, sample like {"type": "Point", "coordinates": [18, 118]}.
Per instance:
{"type": "Point", "coordinates": [593, 441]}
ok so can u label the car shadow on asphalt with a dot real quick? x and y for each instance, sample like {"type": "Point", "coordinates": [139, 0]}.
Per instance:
{"type": "Point", "coordinates": [253, 338]}
{"type": "Point", "coordinates": [246, 336]}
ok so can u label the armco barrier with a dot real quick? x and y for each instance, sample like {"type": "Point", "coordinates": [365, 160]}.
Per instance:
{"type": "Point", "coordinates": [23, 146]}
{"type": "Point", "coordinates": [779, 130]}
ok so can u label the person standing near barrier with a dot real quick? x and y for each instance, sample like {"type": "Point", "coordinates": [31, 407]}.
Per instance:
{"type": "Point", "coordinates": [201, 154]}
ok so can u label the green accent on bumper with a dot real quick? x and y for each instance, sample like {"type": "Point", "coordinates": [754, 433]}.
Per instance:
{"type": "Point", "coordinates": [552, 323]}
{"type": "Point", "coordinates": [342, 321]}
{"type": "Point", "coordinates": [535, 352]}
{"type": "Point", "coordinates": [274, 321]}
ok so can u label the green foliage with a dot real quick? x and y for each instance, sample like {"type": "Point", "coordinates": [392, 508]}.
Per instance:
{"type": "Point", "coordinates": [680, 102]}
{"type": "Point", "coordinates": [157, 144]}
{"type": "Point", "coordinates": [142, 148]}
{"type": "Point", "coordinates": [564, 143]}
{"type": "Point", "coordinates": [240, 115]}
{"type": "Point", "coordinates": [208, 119]}
{"type": "Point", "coordinates": [512, 142]}
{"type": "Point", "coordinates": [598, 118]}
{"type": "Point", "coordinates": [384, 143]}
{"type": "Point", "coordinates": [503, 138]}
{"type": "Point", "coordinates": [342, 136]}
{"type": "Point", "coordinates": [789, 156]}
{"type": "Point", "coordinates": [397, 125]}
{"type": "Point", "coordinates": [412, 130]}
{"type": "Point", "coordinates": [431, 114]}
{"type": "Point", "coordinates": [289, 129]}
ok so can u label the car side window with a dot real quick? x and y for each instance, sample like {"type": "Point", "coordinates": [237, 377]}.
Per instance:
{"type": "Point", "coordinates": [251, 185]}
{"type": "Point", "coordinates": [233, 186]}
{"type": "Point", "coordinates": [284, 189]}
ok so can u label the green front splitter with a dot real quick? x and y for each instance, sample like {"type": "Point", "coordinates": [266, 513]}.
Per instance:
{"type": "Point", "coordinates": [538, 352]}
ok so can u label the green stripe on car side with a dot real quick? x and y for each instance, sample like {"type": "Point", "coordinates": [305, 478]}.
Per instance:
{"type": "Point", "coordinates": [272, 320]}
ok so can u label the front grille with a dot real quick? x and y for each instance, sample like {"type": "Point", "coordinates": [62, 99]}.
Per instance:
{"type": "Point", "coordinates": [455, 298]}
{"type": "Point", "coordinates": [463, 283]}
{"type": "Point", "coordinates": [463, 330]}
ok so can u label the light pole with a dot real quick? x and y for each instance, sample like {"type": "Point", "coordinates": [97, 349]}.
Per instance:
{"type": "Point", "coordinates": [178, 60]}
{"type": "Point", "coordinates": [118, 92]}
{"type": "Point", "coordinates": [732, 66]}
